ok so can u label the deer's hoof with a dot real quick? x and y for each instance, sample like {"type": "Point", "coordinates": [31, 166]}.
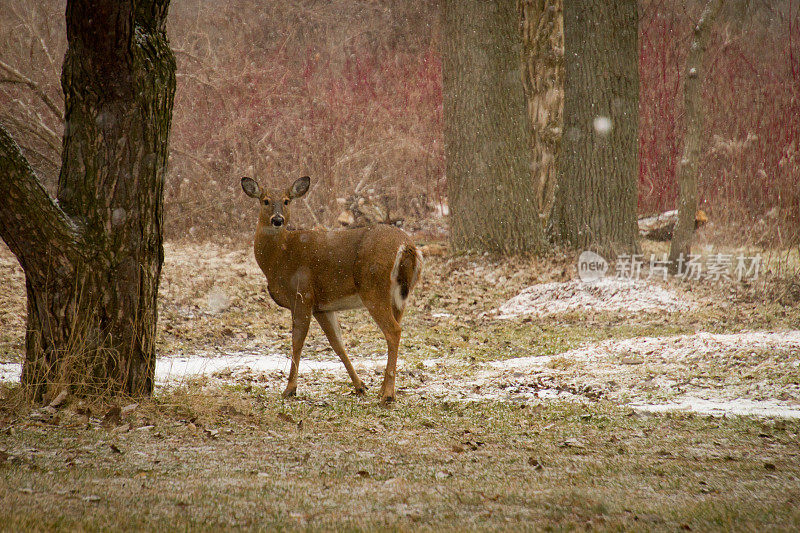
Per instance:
{"type": "Point", "coordinates": [289, 392]}
{"type": "Point", "coordinates": [387, 399]}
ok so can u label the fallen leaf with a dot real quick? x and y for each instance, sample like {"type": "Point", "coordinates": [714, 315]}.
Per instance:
{"type": "Point", "coordinates": [128, 409]}
{"type": "Point", "coordinates": [124, 428]}
{"type": "Point", "coordinates": [112, 417]}
{"type": "Point", "coordinates": [40, 416]}
{"type": "Point", "coordinates": [229, 410]}
{"type": "Point", "coordinates": [58, 400]}
{"type": "Point", "coordinates": [114, 448]}
{"type": "Point", "coordinates": [286, 418]}
{"type": "Point", "coordinates": [534, 462]}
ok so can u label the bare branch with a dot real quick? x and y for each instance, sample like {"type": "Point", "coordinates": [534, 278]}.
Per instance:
{"type": "Point", "coordinates": [18, 77]}
{"type": "Point", "coordinates": [199, 162]}
{"type": "Point", "coordinates": [36, 230]}
{"type": "Point", "coordinates": [36, 128]}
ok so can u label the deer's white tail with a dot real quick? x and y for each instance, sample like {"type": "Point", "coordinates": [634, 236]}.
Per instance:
{"type": "Point", "coordinates": [405, 273]}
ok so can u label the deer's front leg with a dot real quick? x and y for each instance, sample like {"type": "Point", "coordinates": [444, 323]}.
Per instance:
{"type": "Point", "coordinates": [301, 317]}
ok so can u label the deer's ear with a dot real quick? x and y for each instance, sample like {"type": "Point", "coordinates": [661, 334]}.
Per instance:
{"type": "Point", "coordinates": [299, 187]}
{"type": "Point", "coordinates": [251, 188]}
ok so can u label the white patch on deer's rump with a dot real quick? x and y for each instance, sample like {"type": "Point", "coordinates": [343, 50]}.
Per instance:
{"type": "Point", "coordinates": [397, 297]}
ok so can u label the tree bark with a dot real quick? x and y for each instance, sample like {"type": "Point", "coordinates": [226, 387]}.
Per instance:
{"type": "Point", "coordinates": [543, 77]}
{"type": "Point", "coordinates": [92, 258]}
{"type": "Point", "coordinates": [487, 135]}
{"type": "Point", "coordinates": [597, 180]}
{"type": "Point", "coordinates": [688, 169]}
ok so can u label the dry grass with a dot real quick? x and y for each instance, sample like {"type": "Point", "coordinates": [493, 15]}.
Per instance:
{"type": "Point", "coordinates": [235, 459]}
{"type": "Point", "coordinates": [232, 454]}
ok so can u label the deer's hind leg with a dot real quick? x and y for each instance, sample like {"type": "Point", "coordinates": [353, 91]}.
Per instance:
{"type": "Point", "coordinates": [391, 329]}
{"type": "Point", "coordinates": [330, 326]}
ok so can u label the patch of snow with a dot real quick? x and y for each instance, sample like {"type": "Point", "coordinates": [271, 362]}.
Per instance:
{"type": "Point", "coordinates": [671, 367]}
{"type": "Point", "coordinates": [607, 294]}
{"type": "Point", "coordinates": [176, 369]}
{"type": "Point", "coordinates": [10, 372]}
{"type": "Point", "coordinates": [738, 406]}
{"type": "Point", "coordinates": [676, 348]}
{"type": "Point", "coordinates": [519, 363]}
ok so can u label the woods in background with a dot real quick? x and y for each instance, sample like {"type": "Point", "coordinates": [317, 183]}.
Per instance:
{"type": "Point", "coordinates": [350, 91]}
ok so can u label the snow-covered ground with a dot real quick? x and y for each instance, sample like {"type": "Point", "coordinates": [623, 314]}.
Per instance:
{"type": "Point", "coordinates": [176, 369]}
{"type": "Point", "coordinates": [718, 374]}
{"type": "Point", "coordinates": [606, 294]}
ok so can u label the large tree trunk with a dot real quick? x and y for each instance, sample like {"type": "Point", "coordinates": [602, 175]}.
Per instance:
{"type": "Point", "coordinates": [543, 77]}
{"type": "Point", "coordinates": [690, 162]}
{"type": "Point", "coordinates": [92, 259]}
{"type": "Point", "coordinates": [597, 180]}
{"type": "Point", "coordinates": [487, 134]}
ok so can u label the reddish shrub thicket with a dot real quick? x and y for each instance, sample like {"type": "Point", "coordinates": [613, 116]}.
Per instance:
{"type": "Point", "coordinates": [750, 166]}
{"type": "Point", "coordinates": [335, 97]}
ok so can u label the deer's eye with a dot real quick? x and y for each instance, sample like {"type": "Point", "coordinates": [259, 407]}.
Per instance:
{"type": "Point", "coordinates": [286, 201]}
{"type": "Point", "coordinates": [266, 202]}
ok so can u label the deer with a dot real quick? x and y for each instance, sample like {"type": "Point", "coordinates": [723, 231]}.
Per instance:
{"type": "Point", "coordinates": [320, 272]}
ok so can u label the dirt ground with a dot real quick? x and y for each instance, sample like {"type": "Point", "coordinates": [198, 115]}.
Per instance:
{"type": "Point", "coordinates": [680, 413]}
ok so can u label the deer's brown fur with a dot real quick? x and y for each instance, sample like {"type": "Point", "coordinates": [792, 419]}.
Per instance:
{"type": "Point", "coordinates": [317, 273]}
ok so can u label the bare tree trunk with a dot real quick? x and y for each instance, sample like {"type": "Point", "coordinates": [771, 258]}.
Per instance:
{"type": "Point", "coordinates": [487, 133]}
{"type": "Point", "coordinates": [597, 180]}
{"type": "Point", "coordinates": [543, 77]}
{"type": "Point", "coordinates": [92, 258]}
{"type": "Point", "coordinates": [688, 170]}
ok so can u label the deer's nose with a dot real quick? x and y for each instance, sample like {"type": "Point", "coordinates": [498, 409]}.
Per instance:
{"type": "Point", "coordinates": [277, 221]}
